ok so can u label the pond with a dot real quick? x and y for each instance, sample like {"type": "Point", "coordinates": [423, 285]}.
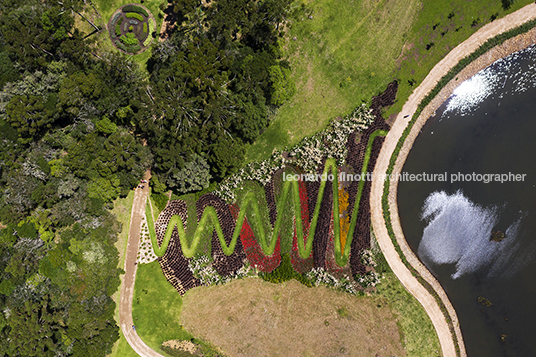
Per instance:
{"type": "Point", "coordinates": [485, 129]}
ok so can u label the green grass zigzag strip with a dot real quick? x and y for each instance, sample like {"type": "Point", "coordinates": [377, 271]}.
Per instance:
{"type": "Point", "coordinates": [267, 240]}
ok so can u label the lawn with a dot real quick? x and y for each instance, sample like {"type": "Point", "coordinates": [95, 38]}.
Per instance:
{"type": "Point", "coordinates": [340, 58]}
{"type": "Point", "coordinates": [252, 317]}
{"type": "Point", "coordinates": [441, 26]}
{"type": "Point", "coordinates": [156, 308]}
{"type": "Point", "coordinates": [349, 51]}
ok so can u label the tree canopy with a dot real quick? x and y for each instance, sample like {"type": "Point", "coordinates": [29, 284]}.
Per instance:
{"type": "Point", "coordinates": [79, 127]}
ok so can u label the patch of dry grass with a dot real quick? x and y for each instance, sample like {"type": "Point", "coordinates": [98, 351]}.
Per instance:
{"type": "Point", "coordinates": [251, 317]}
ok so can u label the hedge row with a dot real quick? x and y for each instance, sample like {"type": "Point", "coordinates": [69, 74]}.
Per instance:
{"type": "Point", "coordinates": [120, 45]}
{"type": "Point", "coordinates": [118, 26]}
{"type": "Point", "coordinates": [495, 41]}
{"type": "Point", "coordinates": [136, 9]}
{"type": "Point", "coordinates": [133, 15]}
{"type": "Point", "coordinates": [129, 49]}
{"type": "Point", "coordinates": [151, 29]}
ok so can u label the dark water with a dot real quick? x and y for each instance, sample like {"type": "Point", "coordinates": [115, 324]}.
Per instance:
{"type": "Point", "coordinates": [488, 128]}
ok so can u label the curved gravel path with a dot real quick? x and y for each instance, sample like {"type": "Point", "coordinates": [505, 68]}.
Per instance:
{"type": "Point", "coordinates": [127, 287]}
{"type": "Point", "coordinates": [401, 271]}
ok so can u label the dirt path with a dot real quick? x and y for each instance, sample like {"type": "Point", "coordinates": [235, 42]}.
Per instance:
{"type": "Point", "coordinates": [408, 280]}
{"type": "Point", "coordinates": [127, 288]}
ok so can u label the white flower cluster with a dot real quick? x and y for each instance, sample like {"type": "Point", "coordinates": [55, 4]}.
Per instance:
{"type": "Point", "coordinates": [145, 250]}
{"type": "Point", "coordinates": [367, 258]}
{"type": "Point", "coordinates": [307, 154]}
{"type": "Point", "coordinates": [331, 142]}
{"type": "Point", "coordinates": [319, 276]}
{"type": "Point", "coordinates": [260, 171]}
{"type": "Point", "coordinates": [368, 280]}
{"type": "Point", "coordinates": [202, 269]}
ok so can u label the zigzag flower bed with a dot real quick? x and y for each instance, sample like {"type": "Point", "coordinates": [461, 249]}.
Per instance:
{"type": "Point", "coordinates": [280, 217]}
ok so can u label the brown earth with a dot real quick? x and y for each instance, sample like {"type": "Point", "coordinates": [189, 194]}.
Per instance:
{"type": "Point", "coordinates": [251, 317]}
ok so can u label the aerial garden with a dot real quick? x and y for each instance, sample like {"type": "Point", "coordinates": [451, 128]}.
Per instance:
{"type": "Point", "coordinates": [90, 99]}
{"type": "Point", "coordinates": [131, 27]}
{"type": "Point", "coordinates": [260, 226]}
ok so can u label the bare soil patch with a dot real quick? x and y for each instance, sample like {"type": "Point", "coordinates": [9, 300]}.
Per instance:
{"type": "Point", "coordinates": [251, 317]}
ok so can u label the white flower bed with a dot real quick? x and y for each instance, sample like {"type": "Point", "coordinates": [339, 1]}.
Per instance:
{"type": "Point", "coordinates": [202, 269]}
{"type": "Point", "coordinates": [368, 280]}
{"type": "Point", "coordinates": [367, 258]}
{"type": "Point", "coordinates": [319, 276]}
{"type": "Point", "coordinates": [145, 251]}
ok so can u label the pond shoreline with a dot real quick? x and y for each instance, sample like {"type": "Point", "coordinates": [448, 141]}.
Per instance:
{"type": "Point", "coordinates": [452, 343]}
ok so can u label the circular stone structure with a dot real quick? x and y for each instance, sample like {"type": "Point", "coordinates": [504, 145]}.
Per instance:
{"type": "Point", "coordinates": [131, 28]}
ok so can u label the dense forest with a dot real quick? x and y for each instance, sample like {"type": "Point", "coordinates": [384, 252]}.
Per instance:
{"type": "Point", "coordinates": [73, 123]}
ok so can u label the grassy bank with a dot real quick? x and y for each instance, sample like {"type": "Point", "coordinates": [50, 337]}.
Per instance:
{"type": "Point", "coordinates": [349, 52]}
{"type": "Point", "coordinates": [156, 307]}
{"type": "Point", "coordinates": [341, 54]}
{"type": "Point", "coordinates": [418, 334]}
{"type": "Point", "coordinates": [156, 310]}
{"type": "Point", "coordinates": [441, 26]}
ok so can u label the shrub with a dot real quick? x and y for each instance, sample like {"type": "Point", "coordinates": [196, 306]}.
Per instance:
{"type": "Point", "coordinates": [130, 28]}
{"type": "Point", "coordinates": [133, 15]}
{"type": "Point", "coordinates": [285, 272]}
{"type": "Point", "coordinates": [129, 39]}
{"type": "Point", "coordinates": [136, 9]}
{"type": "Point", "coordinates": [118, 27]}
{"type": "Point", "coordinates": [145, 27]}
{"type": "Point", "coordinates": [133, 48]}
{"type": "Point", "coordinates": [148, 39]}
{"type": "Point", "coordinates": [116, 24]}
{"type": "Point", "coordinates": [121, 46]}
{"type": "Point", "coordinates": [283, 88]}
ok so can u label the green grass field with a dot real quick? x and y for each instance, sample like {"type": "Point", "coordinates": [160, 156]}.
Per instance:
{"type": "Point", "coordinates": [340, 58]}
{"type": "Point", "coordinates": [349, 52]}
{"type": "Point", "coordinates": [156, 308]}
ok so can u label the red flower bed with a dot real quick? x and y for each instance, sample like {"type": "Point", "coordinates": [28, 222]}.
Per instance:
{"type": "Point", "coordinates": [253, 250]}
{"type": "Point", "coordinates": [298, 263]}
